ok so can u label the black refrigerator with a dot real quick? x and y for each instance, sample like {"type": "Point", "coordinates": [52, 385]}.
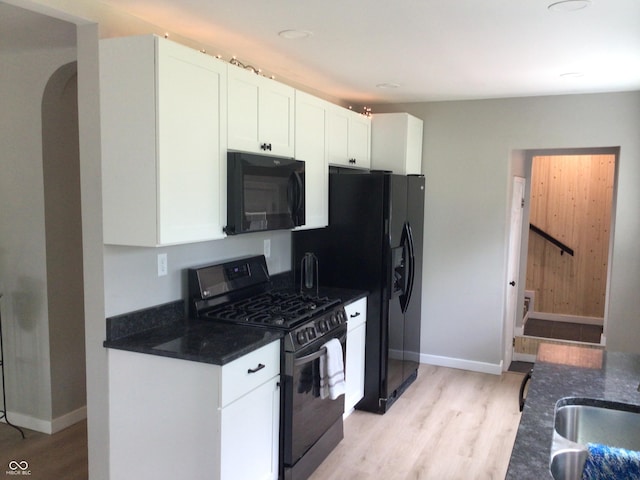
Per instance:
{"type": "Point", "coordinates": [374, 243]}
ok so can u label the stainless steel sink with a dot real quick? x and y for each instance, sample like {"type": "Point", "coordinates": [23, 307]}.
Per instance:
{"type": "Point", "coordinates": [579, 421]}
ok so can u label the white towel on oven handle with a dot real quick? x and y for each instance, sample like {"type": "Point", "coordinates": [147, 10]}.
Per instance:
{"type": "Point", "coordinates": [332, 382]}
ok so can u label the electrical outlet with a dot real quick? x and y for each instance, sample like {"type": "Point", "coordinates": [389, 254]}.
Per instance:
{"type": "Point", "coordinates": [162, 264]}
{"type": "Point", "coordinates": [267, 248]}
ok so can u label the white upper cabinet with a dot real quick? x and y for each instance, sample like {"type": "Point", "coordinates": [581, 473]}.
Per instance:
{"type": "Point", "coordinates": [396, 143]}
{"type": "Point", "coordinates": [261, 114]}
{"type": "Point", "coordinates": [349, 140]}
{"type": "Point", "coordinates": [311, 147]}
{"type": "Point", "coordinates": [163, 119]}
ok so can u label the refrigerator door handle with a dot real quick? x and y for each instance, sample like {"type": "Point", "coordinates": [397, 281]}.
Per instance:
{"type": "Point", "coordinates": [407, 241]}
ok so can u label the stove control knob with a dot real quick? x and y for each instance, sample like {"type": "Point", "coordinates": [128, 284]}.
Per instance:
{"type": "Point", "coordinates": [342, 318]}
{"type": "Point", "coordinates": [323, 326]}
{"type": "Point", "coordinates": [334, 319]}
{"type": "Point", "coordinates": [311, 333]}
{"type": "Point", "coordinates": [301, 337]}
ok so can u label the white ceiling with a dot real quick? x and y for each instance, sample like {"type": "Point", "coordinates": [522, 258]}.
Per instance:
{"type": "Point", "coordinates": [432, 49]}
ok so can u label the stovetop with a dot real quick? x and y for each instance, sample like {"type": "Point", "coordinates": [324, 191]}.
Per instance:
{"type": "Point", "coordinates": [276, 309]}
{"type": "Point", "coordinates": [240, 291]}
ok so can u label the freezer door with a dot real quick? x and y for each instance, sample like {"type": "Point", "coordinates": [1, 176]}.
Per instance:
{"type": "Point", "coordinates": [413, 311]}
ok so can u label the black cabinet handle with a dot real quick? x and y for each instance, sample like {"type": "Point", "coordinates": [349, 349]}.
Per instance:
{"type": "Point", "coordinates": [352, 161]}
{"type": "Point", "coordinates": [254, 370]}
{"type": "Point", "coordinates": [266, 146]}
{"type": "Point", "coordinates": [512, 283]}
{"type": "Point", "coordinates": [354, 315]}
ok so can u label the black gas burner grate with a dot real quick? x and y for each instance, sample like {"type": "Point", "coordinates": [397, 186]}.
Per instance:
{"type": "Point", "coordinates": [277, 309]}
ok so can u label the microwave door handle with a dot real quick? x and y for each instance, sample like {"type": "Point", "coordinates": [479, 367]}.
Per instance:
{"type": "Point", "coordinates": [291, 195]}
{"type": "Point", "coordinates": [294, 195]}
{"type": "Point", "coordinates": [299, 192]}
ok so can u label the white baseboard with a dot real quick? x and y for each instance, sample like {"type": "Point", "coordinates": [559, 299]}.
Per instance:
{"type": "Point", "coordinates": [68, 419]}
{"type": "Point", "coordinates": [47, 426]}
{"type": "Point", "coordinates": [557, 317]}
{"type": "Point", "coordinates": [462, 364]}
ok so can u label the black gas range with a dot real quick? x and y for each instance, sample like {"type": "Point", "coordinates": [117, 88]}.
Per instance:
{"type": "Point", "coordinates": [239, 291]}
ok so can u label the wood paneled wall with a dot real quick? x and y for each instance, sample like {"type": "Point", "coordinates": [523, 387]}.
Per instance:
{"type": "Point", "coordinates": [571, 198]}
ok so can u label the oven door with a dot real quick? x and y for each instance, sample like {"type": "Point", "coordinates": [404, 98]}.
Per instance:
{"type": "Point", "coordinates": [306, 416]}
{"type": "Point", "coordinates": [264, 193]}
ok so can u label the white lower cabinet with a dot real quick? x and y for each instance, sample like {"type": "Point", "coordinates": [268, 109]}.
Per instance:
{"type": "Point", "coordinates": [247, 426]}
{"type": "Point", "coordinates": [170, 418]}
{"type": "Point", "coordinates": [356, 339]}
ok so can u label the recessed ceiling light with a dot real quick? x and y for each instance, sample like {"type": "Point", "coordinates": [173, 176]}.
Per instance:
{"type": "Point", "coordinates": [388, 85]}
{"type": "Point", "coordinates": [295, 34]}
{"type": "Point", "coordinates": [569, 5]}
{"type": "Point", "coordinates": [572, 75]}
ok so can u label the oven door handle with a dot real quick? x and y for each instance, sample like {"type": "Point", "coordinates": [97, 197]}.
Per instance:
{"type": "Point", "coordinates": [314, 356]}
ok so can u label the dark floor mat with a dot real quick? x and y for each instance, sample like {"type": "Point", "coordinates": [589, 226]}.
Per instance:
{"type": "Point", "coordinates": [577, 332]}
{"type": "Point", "coordinates": [520, 367]}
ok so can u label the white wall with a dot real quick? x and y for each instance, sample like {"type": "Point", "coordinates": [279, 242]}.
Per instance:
{"type": "Point", "coordinates": [131, 273]}
{"type": "Point", "coordinates": [467, 156]}
{"type": "Point", "coordinates": [63, 224]}
{"type": "Point", "coordinates": [23, 257]}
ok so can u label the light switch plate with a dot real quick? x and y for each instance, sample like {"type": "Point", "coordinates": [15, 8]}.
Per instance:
{"type": "Point", "coordinates": [162, 264]}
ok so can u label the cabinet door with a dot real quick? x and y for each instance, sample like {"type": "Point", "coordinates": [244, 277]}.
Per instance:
{"type": "Point", "coordinates": [250, 434]}
{"type": "Point", "coordinates": [311, 147]}
{"type": "Point", "coordinates": [349, 137]}
{"type": "Point", "coordinates": [243, 99]}
{"type": "Point", "coordinates": [260, 114]}
{"type": "Point", "coordinates": [356, 339]}
{"type": "Point", "coordinates": [354, 374]}
{"type": "Point", "coordinates": [360, 139]}
{"type": "Point", "coordinates": [338, 136]}
{"type": "Point", "coordinates": [192, 145]}
{"type": "Point", "coordinates": [276, 117]}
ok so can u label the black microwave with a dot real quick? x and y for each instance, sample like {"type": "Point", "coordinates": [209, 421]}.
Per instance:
{"type": "Point", "coordinates": [263, 193]}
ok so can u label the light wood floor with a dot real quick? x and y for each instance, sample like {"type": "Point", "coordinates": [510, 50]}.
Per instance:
{"type": "Point", "coordinates": [449, 425]}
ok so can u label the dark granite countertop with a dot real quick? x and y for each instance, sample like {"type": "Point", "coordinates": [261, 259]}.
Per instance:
{"type": "Point", "coordinates": [563, 371]}
{"type": "Point", "coordinates": [346, 295]}
{"type": "Point", "coordinates": [199, 341]}
{"type": "Point", "coordinates": [285, 281]}
{"type": "Point", "coordinates": [164, 330]}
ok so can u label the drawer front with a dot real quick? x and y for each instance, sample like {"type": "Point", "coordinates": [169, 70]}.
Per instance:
{"type": "Point", "coordinates": [356, 313]}
{"type": "Point", "coordinates": [249, 371]}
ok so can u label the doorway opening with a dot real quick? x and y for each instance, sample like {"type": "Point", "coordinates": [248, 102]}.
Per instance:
{"type": "Point", "coordinates": [566, 248]}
